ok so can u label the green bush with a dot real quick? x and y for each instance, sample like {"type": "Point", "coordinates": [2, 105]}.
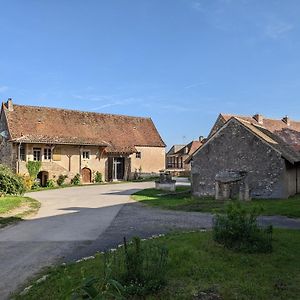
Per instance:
{"type": "Point", "coordinates": [98, 177]}
{"type": "Point", "coordinates": [35, 185]}
{"type": "Point", "coordinates": [61, 179]}
{"type": "Point", "coordinates": [145, 268]}
{"type": "Point", "coordinates": [33, 168]}
{"type": "Point", "coordinates": [50, 183]}
{"type": "Point", "coordinates": [137, 271]}
{"type": "Point", "coordinates": [76, 179]}
{"type": "Point", "coordinates": [238, 229]}
{"type": "Point", "coordinates": [11, 183]}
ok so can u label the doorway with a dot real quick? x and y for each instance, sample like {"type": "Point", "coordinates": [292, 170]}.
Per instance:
{"type": "Point", "coordinates": [86, 175]}
{"type": "Point", "coordinates": [118, 168]}
{"type": "Point", "coordinates": [42, 178]}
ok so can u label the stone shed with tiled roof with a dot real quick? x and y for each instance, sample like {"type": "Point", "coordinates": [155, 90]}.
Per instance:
{"type": "Point", "coordinates": [68, 141]}
{"type": "Point", "coordinates": [266, 149]}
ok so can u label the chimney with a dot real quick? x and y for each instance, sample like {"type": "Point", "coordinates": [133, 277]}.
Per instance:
{"type": "Point", "coordinates": [201, 138]}
{"type": "Point", "coordinates": [9, 104]}
{"type": "Point", "coordinates": [259, 118]}
{"type": "Point", "coordinates": [286, 120]}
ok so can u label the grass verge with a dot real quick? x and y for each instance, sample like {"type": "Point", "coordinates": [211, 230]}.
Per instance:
{"type": "Point", "coordinates": [198, 268]}
{"type": "Point", "coordinates": [185, 202]}
{"type": "Point", "coordinates": [14, 208]}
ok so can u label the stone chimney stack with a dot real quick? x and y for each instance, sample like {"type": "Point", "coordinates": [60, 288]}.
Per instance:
{"type": "Point", "coordinates": [287, 120]}
{"type": "Point", "coordinates": [259, 118]}
{"type": "Point", "coordinates": [9, 104]}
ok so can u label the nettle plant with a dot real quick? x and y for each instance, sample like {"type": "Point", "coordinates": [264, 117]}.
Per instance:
{"type": "Point", "coordinates": [239, 230]}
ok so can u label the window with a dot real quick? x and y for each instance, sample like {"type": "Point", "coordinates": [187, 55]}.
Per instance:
{"type": "Point", "coordinates": [138, 155]}
{"type": "Point", "coordinates": [37, 154]}
{"type": "Point", "coordinates": [47, 153]}
{"type": "Point", "coordinates": [22, 153]}
{"type": "Point", "coordinates": [86, 154]}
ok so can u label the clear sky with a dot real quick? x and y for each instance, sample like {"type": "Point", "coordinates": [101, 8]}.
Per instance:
{"type": "Point", "coordinates": [182, 62]}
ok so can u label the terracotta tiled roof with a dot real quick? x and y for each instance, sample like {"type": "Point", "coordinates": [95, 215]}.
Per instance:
{"type": "Point", "coordinates": [284, 140]}
{"type": "Point", "coordinates": [289, 133]}
{"type": "Point", "coordinates": [119, 133]}
{"type": "Point", "coordinates": [191, 148]}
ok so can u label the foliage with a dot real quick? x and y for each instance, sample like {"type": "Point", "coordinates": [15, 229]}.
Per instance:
{"type": "Point", "coordinates": [50, 183]}
{"type": "Point", "coordinates": [137, 271]}
{"type": "Point", "coordinates": [98, 177]}
{"type": "Point", "coordinates": [95, 288]}
{"type": "Point", "coordinates": [33, 168]}
{"type": "Point", "coordinates": [35, 185]}
{"type": "Point", "coordinates": [76, 179]}
{"type": "Point", "coordinates": [237, 229]}
{"type": "Point", "coordinates": [61, 179]}
{"type": "Point", "coordinates": [10, 183]}
{"type": "Point", "coordinates": [145, 267]}
{"type": "Point", "coordinates": [27, 182]}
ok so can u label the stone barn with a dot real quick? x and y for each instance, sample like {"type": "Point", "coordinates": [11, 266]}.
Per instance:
{"type": "Point", "coordinates": [266, 150]}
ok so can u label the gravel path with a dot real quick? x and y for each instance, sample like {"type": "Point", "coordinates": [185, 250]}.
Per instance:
{"type": "Point", "coordinates": [136, 219]}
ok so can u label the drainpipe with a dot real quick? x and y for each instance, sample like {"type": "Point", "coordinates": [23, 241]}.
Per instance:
{"type": "Point", "coordinates": [19, 158]}
{"type": "Point", "coordinates": [80, 148]}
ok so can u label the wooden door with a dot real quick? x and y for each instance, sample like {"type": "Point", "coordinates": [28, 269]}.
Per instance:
{"type": "Point", "coordinates": [86, 175]}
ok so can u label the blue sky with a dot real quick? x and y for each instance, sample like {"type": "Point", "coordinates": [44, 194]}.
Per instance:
{"type": "Point", "coordinates": [179, 61]}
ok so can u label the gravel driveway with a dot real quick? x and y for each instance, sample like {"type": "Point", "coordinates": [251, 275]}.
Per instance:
{"type": "Point", "coordinates": [76, 222]}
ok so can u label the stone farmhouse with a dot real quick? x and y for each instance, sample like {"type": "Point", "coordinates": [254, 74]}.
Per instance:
{"type": "Point", "coordinates": [264, 152]}
{"type": "Point", "coordinates": [69, 142]}
{"type": "Point", "coordinates": [178, 154]}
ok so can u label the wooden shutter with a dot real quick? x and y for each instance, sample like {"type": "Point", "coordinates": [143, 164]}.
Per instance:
{"type": "Point", "coordinates": [110, 168]}
{"type": "Point", "coordinates": [56, 154]}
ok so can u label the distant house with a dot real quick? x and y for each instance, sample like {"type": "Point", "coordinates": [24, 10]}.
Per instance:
{"type": "Point", "coordinates": [265, 151]}
{"type": "Point", "coordinates": [178, 154]}
{"type": "Point", "coordinates": [70, 142]}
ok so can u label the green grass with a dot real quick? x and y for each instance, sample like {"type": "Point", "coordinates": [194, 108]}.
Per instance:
{"type": "Point", "coordinates": [25, 206]}
{"type": "Point", "coordinates": [195, 264]}
{"type": "Point", "coordinates": [185, 202]}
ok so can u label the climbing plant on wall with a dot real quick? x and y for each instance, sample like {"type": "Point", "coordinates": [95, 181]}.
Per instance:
{"type": "Point", "coordinates": [33, 168]}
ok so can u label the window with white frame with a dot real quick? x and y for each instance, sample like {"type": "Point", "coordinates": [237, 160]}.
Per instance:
{"type": "Point", "coordinates": [37, 154]}
{"type": "Point", "coordinates": [86, 154]}
{"type": "Point", "coordinates": [47, 153]}
{"type": "Point", "coordinates": [138, 155]}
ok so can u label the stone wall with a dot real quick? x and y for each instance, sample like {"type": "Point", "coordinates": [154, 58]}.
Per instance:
{"type": "Point", "coordinates": [7, 153]}
{"type": "Point", "coordinates": [236, 148]}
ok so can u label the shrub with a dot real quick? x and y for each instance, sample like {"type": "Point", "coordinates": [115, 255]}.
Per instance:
{"type": "Point", "coordinates": [76, 179]}
{"type": "Point", "coordinates": [35, 185]}
{"type": "Point", "coordinates": [138, 270]}
{"type": "Point", "coordinates": [98, 177]}
{"type": "Point", "coordinates": [237, 229]}
{"type": "Point", "coordinates": [33, 168]}
{"type": "Point", "coordinates": [11, 183]}
{"type": "Point", "coordinates": [145, 267]}
{"type": "Point", "coordinates": [50, 183]}
{"type": "Point", "coordinates": [27, 181]}
{"type": "Point", "coordinates": [61, 179]}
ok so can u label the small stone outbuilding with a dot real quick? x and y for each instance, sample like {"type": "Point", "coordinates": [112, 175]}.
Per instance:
{"type": "Point", "coordinates": [266, 150]}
